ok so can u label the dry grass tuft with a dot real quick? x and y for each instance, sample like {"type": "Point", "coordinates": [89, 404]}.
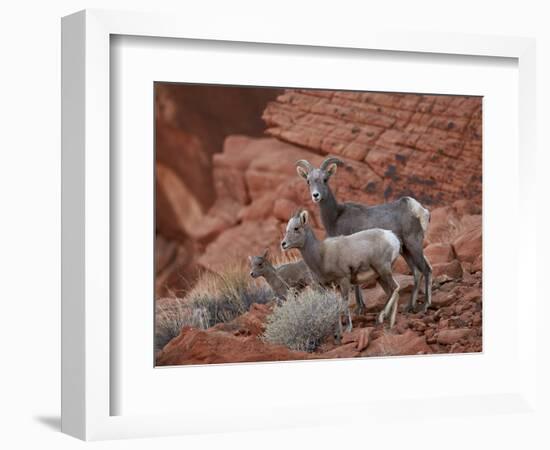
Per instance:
{"type": "Point", "coordinates": [303, 322]}
{"type": "Point", "coordinates": [227, 295]}
{"type": "Point", "coordinates": [172, 316]}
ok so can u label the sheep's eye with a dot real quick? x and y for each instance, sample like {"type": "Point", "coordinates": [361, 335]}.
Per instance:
{"type": "Point", "coordinates": [296, 228]}
{"type": "Point", "coordinates": [325, 180]}
{"type": "Point", "coordinates": [307, 181]}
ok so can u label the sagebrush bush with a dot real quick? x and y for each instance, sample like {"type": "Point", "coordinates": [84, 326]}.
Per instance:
{"type": "Point", "coordinates": [225, 296]}
{"type": "Point", "coordinates": [172, 316]}
{"type": "Point", "coordinates": [304, 321]}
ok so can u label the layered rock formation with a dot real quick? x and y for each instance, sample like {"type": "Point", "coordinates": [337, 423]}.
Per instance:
{"type": "Point", "coordinates": [427, 146]}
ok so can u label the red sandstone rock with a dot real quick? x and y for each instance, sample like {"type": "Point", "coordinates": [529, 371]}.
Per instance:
{"type": "Point", "coordinates": [195, 346]}
{"type": "Point", "coordinates": [465, 207]}
{"type": "Point", "coordinates": [447, 271]}
{"type": "Point", "coordinates": [439, 253]}
{"type": "Point", "coordinates": [450, 336]}
{"type": "Point", "coordinates": [400, 266]}
{"type": "Point", "coordinates": [342, 351]}
{"type": "Point", "coordinates": [234, 245]}
{"type": "Point", "coordinates": [260, 209]}
{"type": "Point", "coordinates": [473, 295]}
{"type": "Point", "coordinates": [408, 343]}
{"type": "Point", "coordinates": [283, 209]}
{"type": "Point", "coordinates": [468, 246]}
{"type": "Point", "coordinates": [251, 323]}
{"type": "Point", "coordinates": [444, 223]}
{"type": "Point", "coordinates": [359, 336]}
{"type": "Point", "coordinates": [441, 298]}
{"type": "Point", "coordinates": [182, 212]}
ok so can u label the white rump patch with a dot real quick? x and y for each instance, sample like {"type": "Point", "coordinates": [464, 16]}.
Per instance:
{"type": "Point", "coordinates": [420, 212]}
{"type": "Point", "coordinates": [393, 240]}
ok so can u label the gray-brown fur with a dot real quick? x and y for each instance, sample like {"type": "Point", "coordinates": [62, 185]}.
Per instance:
{"type": "Point", "coordinates": [406, 217]}
{"type": "Point", "coordinates": [281, 278]}
{"type": "Point", "coordinates": [340, 260]}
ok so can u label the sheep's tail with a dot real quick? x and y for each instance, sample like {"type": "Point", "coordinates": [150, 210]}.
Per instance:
{"type": "Point", "coordinates": [421, 213]}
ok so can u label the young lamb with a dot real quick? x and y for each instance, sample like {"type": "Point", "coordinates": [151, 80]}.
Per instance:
{"type": "Point", "coordinates": [342, 260]}
{"type": "Point", "coordinates": [406, 217]}
{"type": "Point", "coordinates": [294, 275]}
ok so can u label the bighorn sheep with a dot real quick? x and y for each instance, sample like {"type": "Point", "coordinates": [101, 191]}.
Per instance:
{"type": "Point", "coordinates": [406, 217]}
{"type": "Point", "coordinates": [293, 275]}
{"type": "Point", "coordinates": [341, 260]}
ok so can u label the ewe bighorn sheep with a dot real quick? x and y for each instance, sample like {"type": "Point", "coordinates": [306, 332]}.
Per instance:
{"type": "Point", "coordinates": [341, 260]}
{"type": "Point", "coordinates": [406, 217]}
{"type": "Point", "coordinates": [293, 275]}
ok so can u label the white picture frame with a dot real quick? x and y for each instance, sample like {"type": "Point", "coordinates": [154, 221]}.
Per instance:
{"type": "Point", "coordinates": [87, 386]}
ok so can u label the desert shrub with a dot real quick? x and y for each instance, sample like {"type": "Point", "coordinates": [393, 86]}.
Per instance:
{"type": "Point", "coordinates": [172, 316]}
{"type": "Point", "coordinates": [304, 321]}
{"type": "Point", "coordinates": [227, 295]}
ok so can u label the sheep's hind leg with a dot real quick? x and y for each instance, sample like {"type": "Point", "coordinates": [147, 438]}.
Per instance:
{"type": "Point", "coordinates": [394, 300]}
{"type": "Point", "coordinates": [411, 306]}
{"type": "Point", "coordinates": [392, 289]}
{"type": "Point", "coordinates": [386, 288]}
{"type": "Point", "coordinates": [428, 276]}
{"type": "Point", "coordinates": [415, 250]}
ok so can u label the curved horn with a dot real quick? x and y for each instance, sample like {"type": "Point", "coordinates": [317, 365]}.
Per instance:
{"type": "Point", "coordinates": [304, 165]}
{"type": "Point", "coordinates": [327, 162]}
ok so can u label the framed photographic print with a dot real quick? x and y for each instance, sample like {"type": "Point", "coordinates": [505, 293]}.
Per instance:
{"type": "Point", "coordinates": [299, 229]}
{"type": "Point", "coordinates": [226, 201]}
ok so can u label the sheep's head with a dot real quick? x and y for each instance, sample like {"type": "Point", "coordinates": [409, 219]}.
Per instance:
{"type": "Point", "coordinates": [259, 265]}
{"type": "Point", "coordinates": [296, 228]}
{"type": "Point", "coordinates": [317, 179]}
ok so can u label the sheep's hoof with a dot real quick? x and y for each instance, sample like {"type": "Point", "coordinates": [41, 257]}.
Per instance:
{"type": "Point", "coordinates": [360, 310]}
{"type": "Point", "coordinates": [381, 317]}
{"type": "Point", "coordinates": [337, 339]}
{"type": "Point", "coordinates": [349, 327]}
{"type": "Point", "coordinates": [410, 309]}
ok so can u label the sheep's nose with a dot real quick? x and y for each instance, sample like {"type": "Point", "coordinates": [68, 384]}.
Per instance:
{"type": "Point", "coordinates": [316, 195]}
{"type": "Point", "coordinates": [283, 244]}
{"type": "Point", "coordinates": [251, 274]}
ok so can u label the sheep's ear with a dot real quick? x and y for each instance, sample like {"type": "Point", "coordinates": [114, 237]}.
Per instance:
{"type": "Point", "coordinates": [303, 217]}
{"type": "Point", "coordinates": [302, 172]}
{"type": "Point", "coordinates": [331, 169]}
{"type": "Point", "coordinates": [266, 252]}
{"type": "Point", "coordinates": [250, 259]}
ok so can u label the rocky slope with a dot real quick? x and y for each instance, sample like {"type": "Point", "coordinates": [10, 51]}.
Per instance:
{"type": "Point", "coordinates": [452, 325]}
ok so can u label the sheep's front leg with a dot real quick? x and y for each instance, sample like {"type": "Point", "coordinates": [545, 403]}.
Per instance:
{"type": "Point", "coordinates": [344, 291]}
